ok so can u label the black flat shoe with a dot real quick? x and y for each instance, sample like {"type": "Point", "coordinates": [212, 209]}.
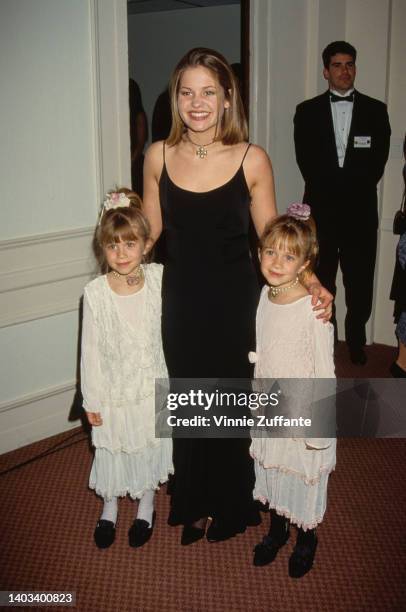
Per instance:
{"type": "Point", "coordinates": [301, 560]}
{"type": "Point", "coordinates": [140, 532]}
{"type": "Point", "coordinates": [191, 534]}
{"type": "Point", "coordinates": [266, 551]}
{"type": "Point", "coordinates": [218, 533]}
{"type": "Point", "coordinates": [104, 534]}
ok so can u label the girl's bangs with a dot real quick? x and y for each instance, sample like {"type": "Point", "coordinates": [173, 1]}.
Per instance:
{"type": "Point", "coordinates": [284, 240]}
{"type": "Point", "coordinates": [120, 230]}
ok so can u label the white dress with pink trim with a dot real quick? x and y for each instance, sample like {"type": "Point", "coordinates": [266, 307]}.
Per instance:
{"type": "Point", "coordinates": [292, 473]}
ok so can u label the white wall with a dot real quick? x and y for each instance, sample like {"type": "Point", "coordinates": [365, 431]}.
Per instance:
{"type": "Point", "coordinates": [287, 38]}
{"type": "Point", "coordinates": [157, 41]}
{"type": "Point", "coordinates": [64, 141]}
{"type": "Point", "coordinates": [47, 153]}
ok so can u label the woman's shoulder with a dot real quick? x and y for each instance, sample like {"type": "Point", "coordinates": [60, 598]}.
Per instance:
{"type": "Point", "coordinates": [154, 155]}
{"type": "Point", "coordinates": [257, 157]}
{"type": "Point", "coordinates": [155, 148]}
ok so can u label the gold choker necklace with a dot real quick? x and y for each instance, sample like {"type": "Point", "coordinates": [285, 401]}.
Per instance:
{"type": "Point", "coordinates": [132, 279]}
{"type": "Point", "coordinates": [201, 150]}
{"type": "Point", "coordinates": [274, 291]}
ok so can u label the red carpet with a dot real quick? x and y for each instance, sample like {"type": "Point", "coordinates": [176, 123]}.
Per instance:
{"type": "Point", "coordinates": [48, 517]}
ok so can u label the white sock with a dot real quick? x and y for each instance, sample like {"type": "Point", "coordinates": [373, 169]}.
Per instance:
{"type": "Point", "coordinates": [110, 510]}
{"type": "Point", "coordinates": [146, 506]}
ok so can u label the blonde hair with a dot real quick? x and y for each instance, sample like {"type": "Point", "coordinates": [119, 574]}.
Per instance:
{"type": "Point", "coordinates": [121, 224]}
{"type": "Point", "coordinates": [295, 236]}
{"type": "Point", "coordinates": [233, 126]}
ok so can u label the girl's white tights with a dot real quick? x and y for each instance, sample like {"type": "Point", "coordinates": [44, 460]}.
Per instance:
{"type": "Point", "coordinates": [110, 510]}
{"type": "Point", "coordinates": [146, 506]}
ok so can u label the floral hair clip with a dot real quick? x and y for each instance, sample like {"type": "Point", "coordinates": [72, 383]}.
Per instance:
{"type": "Point", "coordinates": [299, 211]}
{"type": "Point", "coordinates": [114, 199]}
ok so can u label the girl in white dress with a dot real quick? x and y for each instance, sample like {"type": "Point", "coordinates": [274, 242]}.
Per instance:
{"type": "Point", "coordinates": [291, 473]}
{"type": "Point", "coordinates": [121, 358]}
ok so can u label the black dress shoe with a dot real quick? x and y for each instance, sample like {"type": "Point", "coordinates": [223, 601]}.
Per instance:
{"type": "Point", "coordinates": [301, 560]}
{"type": "Point", "coordinates": [104, 534]}
{"type": "Point", "coordinates": [219, 533]}
{"type": "Point", "coordinates": [191, 534]}
{"type": "Point", "coordinates": [397, 371]}
{"type": "Point", "coordinates": [140, 532]}
{"type": "Point", "coordinates": [266, 551]}
{"type": "Point", "coordinates": [357, 355]}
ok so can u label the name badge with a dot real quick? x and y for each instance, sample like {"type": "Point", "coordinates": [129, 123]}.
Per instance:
{"type": "Point", "coordinates": [362, 142]}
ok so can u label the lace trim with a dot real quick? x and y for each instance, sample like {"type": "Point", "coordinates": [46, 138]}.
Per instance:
{"type": "Point", "coordinates": [287, 514]}
{"type": "Point", "coordinates": [308, 481]}
{"type": "Point", "coordinates": [128, 491]}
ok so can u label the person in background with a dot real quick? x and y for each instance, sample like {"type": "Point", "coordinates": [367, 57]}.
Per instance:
{"type": "Point", "coordinates": [342, 145]}
{"type": "Point", "coordinates": [138, 136]}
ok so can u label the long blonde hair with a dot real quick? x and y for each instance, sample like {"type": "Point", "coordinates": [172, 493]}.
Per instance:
{"type": "Point", "coordinates": [233, 126]}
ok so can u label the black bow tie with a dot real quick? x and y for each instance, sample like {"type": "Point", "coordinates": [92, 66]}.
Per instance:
{"type": "Point", "coordinates": [335, 98]}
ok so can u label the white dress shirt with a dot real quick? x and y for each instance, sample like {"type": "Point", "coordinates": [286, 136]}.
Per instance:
{"type": "Point", "coordinates": [342, 115]}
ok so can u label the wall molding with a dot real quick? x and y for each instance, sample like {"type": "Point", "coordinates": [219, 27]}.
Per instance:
{"type": "Point", "coordinates": [23, 241]}
{"type": "Point", "coordinates": [44, 275]}
{"type": "Point", "coordinates": [36, 416]}
{"type": "Point", "coordinates": [36, 396]}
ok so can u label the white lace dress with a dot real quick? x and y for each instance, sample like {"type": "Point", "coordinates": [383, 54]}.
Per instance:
{"type": "Point", "coordinates": [121, 358]}
{"type": "Point", "coordinates": [292, 473]}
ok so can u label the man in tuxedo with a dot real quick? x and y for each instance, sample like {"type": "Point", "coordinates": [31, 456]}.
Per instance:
{"type": "Point", "coordinates": [342, 145]}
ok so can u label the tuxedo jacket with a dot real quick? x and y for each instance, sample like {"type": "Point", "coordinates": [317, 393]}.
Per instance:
{"type": "Point", "coordinates": [342, 197]}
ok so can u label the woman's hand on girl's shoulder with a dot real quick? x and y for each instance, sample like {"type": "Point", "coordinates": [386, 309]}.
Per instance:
{"type": "Point", "coordinates": [321, 300]}
{"type": "Point", "coordinates": [94, 418]}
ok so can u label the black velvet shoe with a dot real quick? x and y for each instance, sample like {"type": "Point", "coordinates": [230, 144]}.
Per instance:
{"type": "Point", "coordinates": [219, 533]}
{"type": "Point", "coordinates": [397, 371]}
{"type": "Point", "coordinates": [140, 532]}
{"type": "Point", "coordinates": [357, 355]}
{"type": "Point", "coordinates": [266, 551]}
{"type": "Point", "coordinates": [104, 534]}
{"type": "Point", "coordinates": [191, 534]}
{"type": "Point", "coordinates": [301, 560]}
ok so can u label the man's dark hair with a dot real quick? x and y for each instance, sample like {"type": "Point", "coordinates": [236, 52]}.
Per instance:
{"type": "Point", "coordinates": [338, 46]}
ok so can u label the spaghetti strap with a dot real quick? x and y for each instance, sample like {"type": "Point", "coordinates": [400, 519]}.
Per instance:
{"type": "Point", "coordinates": [245, 154]}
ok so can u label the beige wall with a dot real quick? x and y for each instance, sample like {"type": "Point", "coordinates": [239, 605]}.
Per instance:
{"type": "Point", "coordinates": [287, 40]}
{"type": "Point", "coordinates": [64, 141]}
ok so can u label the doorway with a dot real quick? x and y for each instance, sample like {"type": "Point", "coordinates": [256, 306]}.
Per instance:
{"type": "Point", "coordinates": [161, 31]}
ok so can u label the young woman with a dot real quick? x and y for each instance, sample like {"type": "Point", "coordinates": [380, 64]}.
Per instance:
{"type": "Point", "coordinates": [202, 186]}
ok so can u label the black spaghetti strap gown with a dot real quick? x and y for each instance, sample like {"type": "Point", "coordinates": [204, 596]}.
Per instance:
{"type": "Point", "coordinates": [210, 294]}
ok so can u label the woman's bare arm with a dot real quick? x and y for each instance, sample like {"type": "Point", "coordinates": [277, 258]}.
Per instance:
{"type": "Point", "coordinates": [259, 175]}
{"type": "Point", "coordinates": [151, 208]}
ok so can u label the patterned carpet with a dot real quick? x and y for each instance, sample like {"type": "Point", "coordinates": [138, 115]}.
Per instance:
{"type": "Point", "coordinates": [48, 516]}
